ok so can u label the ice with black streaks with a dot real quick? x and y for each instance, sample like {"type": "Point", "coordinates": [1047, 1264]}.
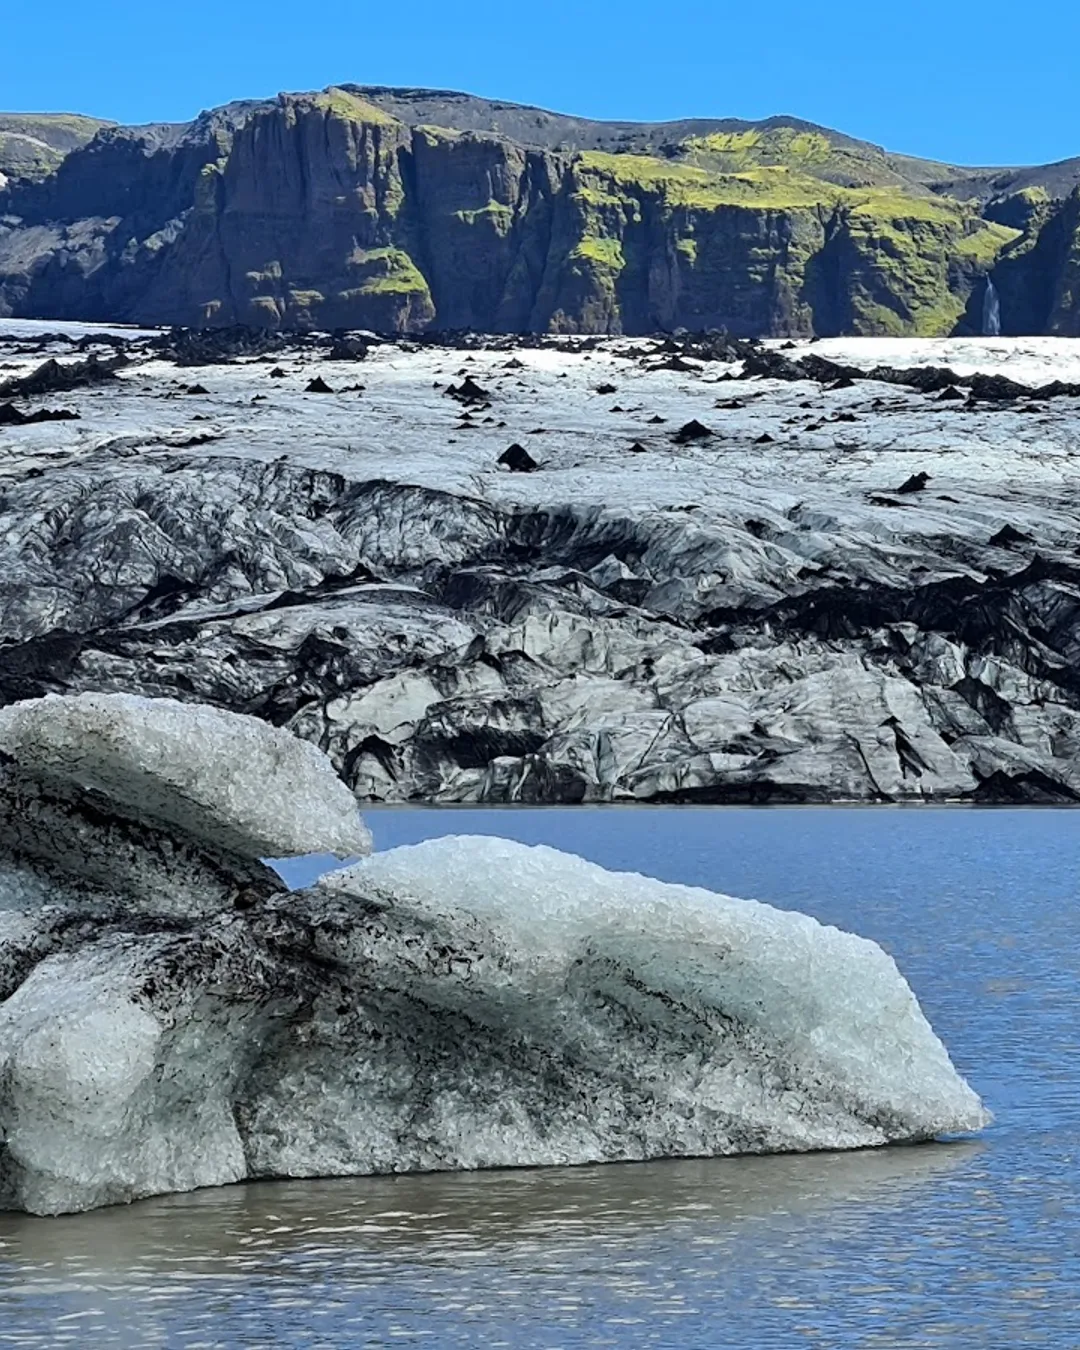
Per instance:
{"type": "Point", "coordinates": [171, 1016]}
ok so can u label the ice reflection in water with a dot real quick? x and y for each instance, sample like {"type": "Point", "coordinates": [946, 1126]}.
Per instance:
{"type": "Point", "coordinates": [514, 1256]}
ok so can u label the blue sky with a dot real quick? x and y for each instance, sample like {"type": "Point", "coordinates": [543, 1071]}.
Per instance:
{"type": "Point", "coordinates": [970, 81]}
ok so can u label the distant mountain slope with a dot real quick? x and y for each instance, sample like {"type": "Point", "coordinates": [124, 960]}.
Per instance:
{"type": "Point", "coordinates": [32, 145]}
{"type": "Point", "coordinates": [404, 209]}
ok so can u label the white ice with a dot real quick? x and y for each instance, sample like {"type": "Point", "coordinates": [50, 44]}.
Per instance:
{"type": "Point", "coordinates": [775, 1012]}
{"type": "Point", "coordinates": [248, 787]}
{"type": "Point", "coordinates": [463, 1003]}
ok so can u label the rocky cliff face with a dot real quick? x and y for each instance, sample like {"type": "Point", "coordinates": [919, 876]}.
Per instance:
{"type": "Point", "coordinates": [346, 209]}
{"type": "Point", "coordinates": [32, 146]}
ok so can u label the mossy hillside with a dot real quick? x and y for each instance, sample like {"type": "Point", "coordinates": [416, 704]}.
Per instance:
{"type": "Point", "coordinates": [676, 184]}
{"type": "Point", "coordinates": [807, 152]}
{"type": "Point", "coordinates": [986, 242]}
{"type": "Point", "coordinates": [915, 258]}
{"type": "Point", "coordinates": [350, 106]}
{"type": "Point", "coordinates": [767, 187]}
{"type": "Point", "coordinates": [61, 131]}
{"type": "Point", "coordinates": [23, 157]}
{"type": "Point", "coordinates": [434, 136]}
{"type": "Point", "coordinates": [34, 145]}
{"type": "Point", "coordinates": [1027, 209]}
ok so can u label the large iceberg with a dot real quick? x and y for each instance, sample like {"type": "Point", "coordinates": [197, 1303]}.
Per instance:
{"type": "Point", "coordinates": [172, 1017]}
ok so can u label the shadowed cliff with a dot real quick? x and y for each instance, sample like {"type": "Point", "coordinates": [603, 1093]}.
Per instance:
{"type": "Point", "coordinates": [406, 210]}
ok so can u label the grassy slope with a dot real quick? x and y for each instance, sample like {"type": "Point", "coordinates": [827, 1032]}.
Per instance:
{"type": "Point", "coordinates": [32, 145]}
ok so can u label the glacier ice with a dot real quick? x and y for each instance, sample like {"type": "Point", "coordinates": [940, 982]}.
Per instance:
{"type": "Point", "coordinates": [252, 789]}
{"type": "Point", "coordinates": [179, 1019]}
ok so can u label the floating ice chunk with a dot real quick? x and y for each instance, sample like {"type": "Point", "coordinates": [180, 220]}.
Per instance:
{"type": "Point", "coordinates": [465, 1003]}
{"type": "Point", "coordinates": [88, 1118]}
{"type": "Point", "coordinates": [233, 781]}
{"type": "Point", "coordinates": [712, 1003]}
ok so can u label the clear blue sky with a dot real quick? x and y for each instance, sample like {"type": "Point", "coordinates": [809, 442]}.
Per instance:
{"type": "Point", "coordinates": [970, 81]}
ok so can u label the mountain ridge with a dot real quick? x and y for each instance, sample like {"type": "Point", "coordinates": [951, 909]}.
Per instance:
{"type": "Point", "coordinates": [409, 209]}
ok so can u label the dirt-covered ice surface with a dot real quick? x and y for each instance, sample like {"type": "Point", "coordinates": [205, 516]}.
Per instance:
{"type": "Point", "coordinates": [840, 589]}
{"type": "Point", "coordinates": [172, 1017]}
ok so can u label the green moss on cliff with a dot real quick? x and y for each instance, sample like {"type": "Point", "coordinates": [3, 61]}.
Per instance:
{"type": "Point", "coordinates": [435, 136]}
{"type": "Point", "coordinates": [354, 109]}
{"type": "Point", "coordinates": [495, 214]}
{"type": "Point", "coordinates": [904, 262]}
{"type": "Point", "coordinates": [778, 145]}
{"type": "Point", "coordinates": [206, 187]}
{"type": "Point", "coordinates": [887, 204]}
{"type": "Point", "coordinates": [387, 271]}
{"type": "Point", "coordinates": [985, 244]}
{"type": "Point", "coordinates": [25, 157]}
{"type": "Point", "coordinates": [603, 252]}
{"type": "Point", "coordinates": [757, 186]}
{"type": "Point", "coordinates": [688, 185]}
{"type": "Point", "coordinates": [817, 154]}
{"type": "Point", "coordinates": [34, 145]}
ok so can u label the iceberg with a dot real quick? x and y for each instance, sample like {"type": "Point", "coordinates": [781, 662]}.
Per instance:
{"type": "Point", "coordinates": [249, 787]}
{"type": "Point", "coordinates": [172, 1017]}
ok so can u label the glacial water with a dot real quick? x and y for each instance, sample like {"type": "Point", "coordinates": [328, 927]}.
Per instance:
{"type": "Point", "coordinates": [972, 1244]}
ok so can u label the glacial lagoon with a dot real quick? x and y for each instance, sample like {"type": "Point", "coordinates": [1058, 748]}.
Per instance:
{"type": "Point", "coordinates": [954, 1244]}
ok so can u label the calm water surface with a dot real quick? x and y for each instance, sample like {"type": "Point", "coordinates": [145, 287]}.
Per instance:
{"type": "Point", "coordinates": [967, 1244]}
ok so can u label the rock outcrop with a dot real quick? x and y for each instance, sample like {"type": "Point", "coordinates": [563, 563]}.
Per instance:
{"type": "Point", "coordinates": [171, 1017]}
{"type": "Point", "coordinates": [352, 208]}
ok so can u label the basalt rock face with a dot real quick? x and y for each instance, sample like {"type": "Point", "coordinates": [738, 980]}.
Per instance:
{"type": "Point", "coordinates": [349, 209]}
{"type": "Point", "coordinates": [1039, 278]}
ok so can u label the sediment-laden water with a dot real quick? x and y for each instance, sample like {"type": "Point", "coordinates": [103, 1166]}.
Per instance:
{"type": "Point", "coordinates": [956, 1244]}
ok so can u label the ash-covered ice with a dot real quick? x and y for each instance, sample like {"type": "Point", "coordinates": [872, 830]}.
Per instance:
{"type": "Point", "coordinates": [172, 1017]}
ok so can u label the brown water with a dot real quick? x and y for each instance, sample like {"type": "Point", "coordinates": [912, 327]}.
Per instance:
{"type": "Point", "coordinates": [962, 1245]}
{"type": "Point", "coordinates": [498, 1258]}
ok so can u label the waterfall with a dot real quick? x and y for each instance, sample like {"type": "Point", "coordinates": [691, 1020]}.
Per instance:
{"type": "Point", "coordinates": [991, 311]}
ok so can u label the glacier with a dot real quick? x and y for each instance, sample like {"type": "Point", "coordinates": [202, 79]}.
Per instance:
{"type": "Point", "coordinates": [760, 616]}
{"type": "Point", "coordinates": [172, 1016]}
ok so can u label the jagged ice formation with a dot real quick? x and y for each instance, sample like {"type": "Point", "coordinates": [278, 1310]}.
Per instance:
{"type": "Point", "coordinates": [856, 580]}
